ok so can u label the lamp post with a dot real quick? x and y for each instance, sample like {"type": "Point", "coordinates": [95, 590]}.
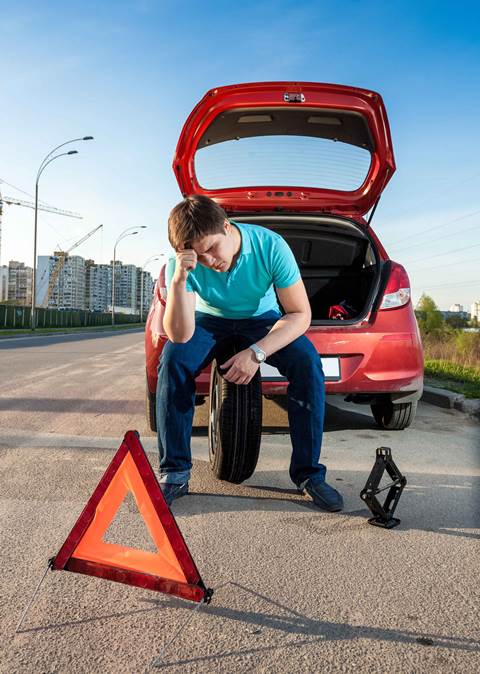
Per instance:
{"type": "Point", "coordinates": [150, 259]}
{"type": "Point", "coordinates": [126, 232]}
{"type": "Point", "coordinates": [46, 161]}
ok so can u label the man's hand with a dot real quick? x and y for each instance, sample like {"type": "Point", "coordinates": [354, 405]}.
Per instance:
{"type": "Point", "coordinates": [241, 367]}
{"type": "Point", "coordinates": [186, 261]}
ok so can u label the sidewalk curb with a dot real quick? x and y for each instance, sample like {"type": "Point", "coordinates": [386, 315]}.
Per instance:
{"type": "Point", "coordinates": [27, 335]}
{"type": "Point", "coordinates": [451, 400]}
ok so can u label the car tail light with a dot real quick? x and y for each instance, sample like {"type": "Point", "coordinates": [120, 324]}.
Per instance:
{"type": "Point", "coordinates": [397, 291]}
{"type": "Point", "coordinates": [162, 290]}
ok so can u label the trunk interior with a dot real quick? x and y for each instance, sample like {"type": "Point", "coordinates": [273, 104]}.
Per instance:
{"type": "Point", "coordinates": [338, 263]}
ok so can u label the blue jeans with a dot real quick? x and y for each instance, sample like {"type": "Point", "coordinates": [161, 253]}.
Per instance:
{"type": "Point", "coordinates": [180, 364]}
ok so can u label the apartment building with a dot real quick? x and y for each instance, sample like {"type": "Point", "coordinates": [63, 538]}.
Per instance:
{"type": "Point", "coordinates": [126, 286]}
{"type": "Point", "coordinates": [79, 284]}
{"type": "Point", "coordinates": [98, 286]}
{"type": "Point", "coordinates": [3, 283]}
{"type": "Point", "coordinates": [475, 310]}
{"type": "Point", "coordinates": [69, 289]}
{"type": "Point", "coordinates": [148, 284]}
{"type": "Point", "coordinates": [19, 283]}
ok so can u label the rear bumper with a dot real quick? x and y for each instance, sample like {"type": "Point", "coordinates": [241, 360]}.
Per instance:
{"type": "Point", "coordinates": [373, 363]}
{"type": "Point", "coordinates": [401, 389]}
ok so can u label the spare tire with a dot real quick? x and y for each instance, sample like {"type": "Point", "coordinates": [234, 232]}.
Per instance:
{"type": "Point", "coordinates": [234, 427]}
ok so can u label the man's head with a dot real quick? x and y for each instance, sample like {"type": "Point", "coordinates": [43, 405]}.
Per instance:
{"type": "Point", "coordinates": [201, 224]}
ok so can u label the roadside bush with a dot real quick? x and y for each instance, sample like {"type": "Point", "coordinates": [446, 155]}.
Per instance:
{"type": "Point", "coordinates": [459, 348]}
{"type": "Point", "coordinates": [457, 322]}
{"type": "Point", "coordinates": [458, 378]}
{"type": "Point", "coordinates": [451, 354]}
{"type": "Point", "coordinates": [468, 345]}
{"type": "Point", "coordinates": [448, 370]}
{"type": "Point", "coordinates": [442, 342]}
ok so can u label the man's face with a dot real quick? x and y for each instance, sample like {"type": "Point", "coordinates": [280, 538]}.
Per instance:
{"type": "Point", "coordinates": [216, 251]}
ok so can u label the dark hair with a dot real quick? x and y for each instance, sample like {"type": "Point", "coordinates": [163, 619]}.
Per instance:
{"type": "Point", "coordinates": [193, 218]}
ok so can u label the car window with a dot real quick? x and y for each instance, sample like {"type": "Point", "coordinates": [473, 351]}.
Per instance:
{"type": "Point", "coordinates": [284, 161]}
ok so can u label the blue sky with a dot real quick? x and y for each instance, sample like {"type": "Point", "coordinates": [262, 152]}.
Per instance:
{"type": "Point", "coordinates": [129, 73]}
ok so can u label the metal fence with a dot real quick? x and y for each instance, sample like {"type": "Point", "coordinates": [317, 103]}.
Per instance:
{"type": "Point", "coordinates": [19, 317]}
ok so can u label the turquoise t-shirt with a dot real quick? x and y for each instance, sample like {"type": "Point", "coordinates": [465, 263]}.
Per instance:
{"type": "Point", "coordinates": [265, 262]}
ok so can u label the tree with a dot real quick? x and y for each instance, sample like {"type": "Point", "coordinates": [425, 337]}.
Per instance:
{"type": "Point", "coordinates": [457, 322]}
{"type": "Point", "coordinates": [430, 319]}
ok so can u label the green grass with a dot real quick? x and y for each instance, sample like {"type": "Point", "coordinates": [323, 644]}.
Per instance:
{"type": "Point", "coordinates": [454, 377]}
{"type": "Point", "coordinates": [8, 332]}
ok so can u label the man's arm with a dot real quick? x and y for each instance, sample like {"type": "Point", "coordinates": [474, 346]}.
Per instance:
{"type": "Point", "coordinates": [179, 318]}
{"type": "Point", "coordinates": [296, 321]}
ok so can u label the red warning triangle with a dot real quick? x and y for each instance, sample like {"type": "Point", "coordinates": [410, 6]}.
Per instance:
{"type": "Point", "coordinates": [171, 569]}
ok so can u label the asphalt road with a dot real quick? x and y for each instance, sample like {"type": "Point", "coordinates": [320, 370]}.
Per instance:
{"type": "Point", "coordinates": [297, 589]}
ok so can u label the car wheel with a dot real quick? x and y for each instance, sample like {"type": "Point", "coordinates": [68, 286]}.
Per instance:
{"type": "Point", "coordinates": [150, 400]}
{"type": "Point", "coordinates": [235, 427]}
{"type": "Point", "coordinates": [394, 417]}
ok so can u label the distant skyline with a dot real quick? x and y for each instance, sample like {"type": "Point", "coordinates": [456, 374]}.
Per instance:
{"type": "Point", "coordinates": [129, 73]}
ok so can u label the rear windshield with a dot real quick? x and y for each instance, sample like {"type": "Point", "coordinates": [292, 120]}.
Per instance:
{"type": "Point", "coordinates": [283, 161]}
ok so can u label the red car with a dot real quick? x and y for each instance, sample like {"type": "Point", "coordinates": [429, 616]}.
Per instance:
{"type": "Point", "coordinates": [309, 161]}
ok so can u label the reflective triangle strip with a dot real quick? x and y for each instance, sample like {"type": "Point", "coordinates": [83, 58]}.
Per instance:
{"type": "Point", "coordinates": [171, 569]}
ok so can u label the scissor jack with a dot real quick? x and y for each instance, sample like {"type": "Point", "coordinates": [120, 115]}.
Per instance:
{"type": "Point", "coordinates": [383, 515]}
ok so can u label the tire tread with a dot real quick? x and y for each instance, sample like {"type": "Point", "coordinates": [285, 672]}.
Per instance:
{"type": "Point", "coordinates": [239, 428]}
{"type": "Point", "coordinates": [394, 417]}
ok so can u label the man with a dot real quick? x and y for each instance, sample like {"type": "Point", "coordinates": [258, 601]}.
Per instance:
{"type": "Point", "coordinates": [222, 283]}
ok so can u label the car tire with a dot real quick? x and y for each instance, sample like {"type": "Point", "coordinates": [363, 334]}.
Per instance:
{"type": "Point", "coordinates": [234, 427]}
{"type": "Point", "coordinates": [150, 400]}
{"type": "Point", "coordinates": [394, 417]}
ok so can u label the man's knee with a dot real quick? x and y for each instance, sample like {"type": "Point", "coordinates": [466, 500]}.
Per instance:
{"type": "Point", "coordinates": [184, 356]}
{"type": "Point", "coordinates": [302, 359]}
{"type": "Point", "coordinates": [302, 351]}
{"type": "Point", "coordinates": [177, 354]}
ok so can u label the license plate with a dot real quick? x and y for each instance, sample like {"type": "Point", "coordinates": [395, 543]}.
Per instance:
{"type": "Point", "coordinates": [330, 364]}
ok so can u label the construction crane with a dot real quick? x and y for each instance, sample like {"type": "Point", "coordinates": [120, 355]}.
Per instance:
{"type": "Point", "coordinates": [61, 256]}
{"type": "Point", "coordinates": [13, 201]}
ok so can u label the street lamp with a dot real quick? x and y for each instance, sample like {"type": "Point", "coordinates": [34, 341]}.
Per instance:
{"type": "Point", "coordinates": [150, 259]}
{"type": "Point", "coordinates": [46, 161]}
{"type": "Point", "coordinates": [126, 232]}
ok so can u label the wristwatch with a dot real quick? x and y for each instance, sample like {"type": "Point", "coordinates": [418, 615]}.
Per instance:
{"type": "Point", "coordinates": [259, 354]}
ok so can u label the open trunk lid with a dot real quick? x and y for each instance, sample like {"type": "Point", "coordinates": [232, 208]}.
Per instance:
{"type": "Point", "coordinates": [297, 146]}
